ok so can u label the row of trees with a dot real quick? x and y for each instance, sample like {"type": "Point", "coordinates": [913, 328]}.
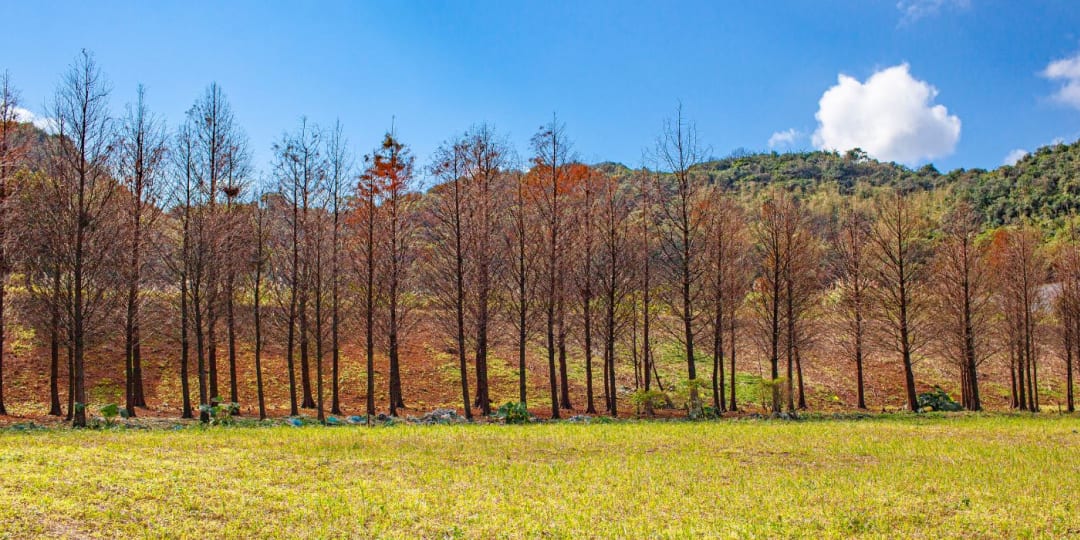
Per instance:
{"type": "Point", "coordinates": [119, 219]}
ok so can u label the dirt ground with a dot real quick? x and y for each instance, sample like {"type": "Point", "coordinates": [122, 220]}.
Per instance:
{"type": "Point", "coordinates": [430, 375]}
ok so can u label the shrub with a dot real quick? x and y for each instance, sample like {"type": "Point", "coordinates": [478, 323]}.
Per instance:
{"type": "Point", "coordinates": [220, 412]}
{"type": "Point", "coordinates": [710, 413]}
{"type": "Point", "coordinates": [514, 413]}
{"type": "Point", "coordinates": [110, 412]}
{"type": "Point", "coordinates": [648, 400]}
{"type": "Point", "coordinates": [937, 400]}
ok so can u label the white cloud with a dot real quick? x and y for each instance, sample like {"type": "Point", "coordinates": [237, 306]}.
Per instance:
{"type": "Point", "coordinates": [784, 138]}
{"type": "Point", "coordinates": [1014, 155]}
{"type": "Point", "coordinates": [913, 10]}
{"type": "Point", "coordinates": [41, 122]}
{"type": "Point", "coordinates": [892, 116]}
{"type": "Point", "coordinates": [1066, 71]}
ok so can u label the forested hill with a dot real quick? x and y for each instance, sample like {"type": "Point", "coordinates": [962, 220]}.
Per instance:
{"type": "Point", "coordinates": [810, 171]}
{"type": "Point", "coordinates": [1043, 187]}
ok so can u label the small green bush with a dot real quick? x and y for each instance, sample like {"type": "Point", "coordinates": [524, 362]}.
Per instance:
{"type": "Point", "coordinates": [648, 400]}
{"type": "Point", "coordinates": [937, 400]}
{"type": "Point", "coordinates": [221, 412]}
{"type": "Point", "coordinates": [513, 413]}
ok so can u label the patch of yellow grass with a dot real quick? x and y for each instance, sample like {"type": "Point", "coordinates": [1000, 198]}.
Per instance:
{"type": "Point", "coordinates": [961, 476]}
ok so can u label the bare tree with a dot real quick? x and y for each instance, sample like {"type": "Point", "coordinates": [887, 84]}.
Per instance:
{"type": "Point", "coordinates": [391, 168]}
{"type": "Point", "coordinates": [1067, 271]}
{"type": "Point", "coordinates": [900, 236]}
{"type": "Point", "coordinates": [584, 178]}
{"type": "Point", "coordinates": [235, 238]}
{"type": "Point", "coordinates": [318, 232]}
{"type": "Point", "coordinates": [178, 257]}
{"type": "Point", "coordinates": [447, 259]}
{"type": "Point", "coordinates": [260, 255]}
{"type": "Point", "coordinates": [737, 283]}
{"type": "Point", "coordinates": [42, 245]}
{"type": "Point", "coordinates": [963, 298]}
{"type": "Point", "coordinates": [142, 156]}
{"type": "Point", "coordinates": [81, 179]}
{"type": "Point", "coordinates": [727, 247]}
{"type": "Point", "coordinates": [339, 170]}
{"type": "Point", "coordinates": [852, 265]}
{"type": "Point", "coordinates": [369, 191]}
{"type": "Point", "coordinates": [1018, 261]}
{"type": "Point", "coordinates": [646, 242]}
{"type": "Point", "coordinates": [551, 151]}
{"type": "Point", "coordinates": [300, 168]}
{"type": "Point", "coordinates": [10, 152]}
{"type": "Point", "coordinates": [682, 229]}
{"type": "Point", "coordinates": [520, 240]}
{"type": "Point", "coordinates": [218, 162]}
{"type": "Point", "coordinates": [770, 231]}
{"type": "Point", "coordinates": [615, 272]}
{"type": "Point", "coordinates": [486, 161]}
{"type": "Point", "coordinates": [801, 283]}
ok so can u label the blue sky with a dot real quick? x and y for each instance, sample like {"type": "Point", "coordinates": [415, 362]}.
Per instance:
{"type": "Point", "coordinates": [612, 70]}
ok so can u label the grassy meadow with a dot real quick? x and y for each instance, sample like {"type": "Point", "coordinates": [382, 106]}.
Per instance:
{"type": "Point", "coordinates": [888, 476]}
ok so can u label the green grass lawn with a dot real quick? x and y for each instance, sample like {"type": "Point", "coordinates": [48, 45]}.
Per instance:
{"type": "Point", "coordinates": [958, 476]}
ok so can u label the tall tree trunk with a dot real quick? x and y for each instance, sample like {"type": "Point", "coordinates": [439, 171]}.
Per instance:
{"type": "Point", "coordinates": [138, 395]}
{"type": "Point", "coordinates": [70, 417]}
{"type": "Point", "coordinates": [319, 337]}
{"type": "Point", "coordinates": [3, 306]}
{"type": "Point", "coordinates": [78, 315]}
{"type": "Point", "coordinates": [54, 347]}
{"type": "Point", "coordinates": [211, 341]}
{"type": "Point", "coordinates": [1020, 390]}
{"type": "Point", "coordinates": [459, 299]}
{"type": "Point", "coordinates": [483, 393]}
{"type": "Point", "coordinates": [335, 315]}
{"type": "Point", "coordinates": [774, 341]}
{"type": "Point", "coordinates": [859, 373]}
{"type": "Point", "coordinates": [551, 352]}
{"type": "Point", "coordinates": [294, 284]}
{"type": "Point", "coordinates": [687, 319]}
{"type": "Point", "coordinates": [799, 374]}
{"type": "Point", "coordinates": [905, 347]}
{"type": "Point", "coordinates": [129, 355]}
{"type": "Point", "coordinates": [590, 407]}
{"type": "Point", "coordinates": [308, 402]}
{"type": "Point", "coordinates": [185, 390]}
{"type": "Point", "coordinates": [609, 364]}
{"type": "Point", "coordinates": [230, 321]}
{"type": "Point", "coordinates": [395, 373]}
{"type": "Point", "coordinates": [732, 403]}
{"type": "Point", "coordinates": [257, 300]}
{"type": "Point", "coordinates": [483, 399]}
{"type": "Point", "coordinates": [564, 379]}
{"type": "Point", "coordinates": [718, 344]}
{"type": "Point", "coordinates": [200, 348]}
{"type": "Point", "coordinates": [789, 342]}
{"type": "Point", "coordinates": [522, 336]}
{"type": "Point", "coordinates": [369, 315]}
{"type": "Point", "coordinates": [1069, 377]}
